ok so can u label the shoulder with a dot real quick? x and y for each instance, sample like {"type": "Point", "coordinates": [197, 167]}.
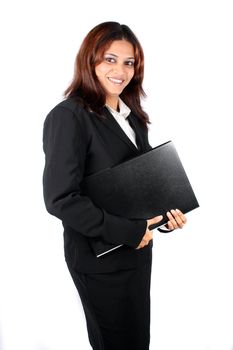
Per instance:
{"type": "Point", "coordinates": [69, 106]}
{"type": "Point", "coordinates": [68, 111]}
{"type": "Point", "coordinates": [69, 118]}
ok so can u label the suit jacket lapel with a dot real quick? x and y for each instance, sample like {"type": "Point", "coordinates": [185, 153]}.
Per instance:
{"type": "Point", "coordinates": [134, 123]}
{"type": "Point", "coordinates": [112, 124]}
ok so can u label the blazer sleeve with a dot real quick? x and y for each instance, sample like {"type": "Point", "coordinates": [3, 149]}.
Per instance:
{"type": "Point", "coordinates": [65, 147]}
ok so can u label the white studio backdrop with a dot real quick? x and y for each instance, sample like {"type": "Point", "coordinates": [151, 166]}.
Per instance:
{"type": "Point", "coordinates": [189, 83]}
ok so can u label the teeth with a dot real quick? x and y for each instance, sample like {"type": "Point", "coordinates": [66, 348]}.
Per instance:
{"type": "Point", "coordinates": [116, 81]}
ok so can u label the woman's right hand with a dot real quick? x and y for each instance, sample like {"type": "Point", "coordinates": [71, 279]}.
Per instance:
{"type": "Point", "coordinates": [148, 236]}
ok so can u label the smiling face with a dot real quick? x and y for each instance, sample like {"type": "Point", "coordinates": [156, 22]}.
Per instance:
{"type": "Point", "coordinates": [116, 70]}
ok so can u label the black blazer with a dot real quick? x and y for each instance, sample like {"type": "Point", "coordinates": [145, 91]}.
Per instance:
{"type": "Point", "coordinates": [78, 143]}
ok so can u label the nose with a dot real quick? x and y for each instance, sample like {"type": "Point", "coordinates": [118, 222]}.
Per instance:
{"type": "Point", "coordinates": [119, 68]}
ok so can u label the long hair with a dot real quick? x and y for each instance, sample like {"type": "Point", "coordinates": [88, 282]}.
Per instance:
{"type": "Point", "coordinates": [85, 85]}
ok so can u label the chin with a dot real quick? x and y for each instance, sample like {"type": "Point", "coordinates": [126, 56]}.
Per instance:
{"type": "Point", "coordinates": [116, 92]}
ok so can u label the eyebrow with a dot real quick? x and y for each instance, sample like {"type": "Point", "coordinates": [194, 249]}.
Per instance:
{"type": "Point", "coordinates": [112, 54]}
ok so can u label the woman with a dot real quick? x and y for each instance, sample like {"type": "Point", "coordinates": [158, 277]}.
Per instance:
{"type": "Point", "coordinates": [98, 125]}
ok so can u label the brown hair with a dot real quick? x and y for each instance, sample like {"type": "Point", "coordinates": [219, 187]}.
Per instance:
{"type": "Point", "coordinates": [85, 85]}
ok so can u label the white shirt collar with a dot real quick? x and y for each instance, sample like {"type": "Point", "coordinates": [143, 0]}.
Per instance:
{"type": "Point", "coordinates": [124, 109]}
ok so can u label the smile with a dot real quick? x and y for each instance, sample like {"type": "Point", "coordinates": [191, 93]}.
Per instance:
{"type": "Point", "coordinates": [116, 81]}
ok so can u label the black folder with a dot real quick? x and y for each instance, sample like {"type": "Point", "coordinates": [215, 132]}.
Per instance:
{"type": "Point", "coordinates": [140, 188]}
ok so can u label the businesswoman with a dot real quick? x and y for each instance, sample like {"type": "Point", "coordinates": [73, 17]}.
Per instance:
{"type": "Point", "coordinates": [100, 123]}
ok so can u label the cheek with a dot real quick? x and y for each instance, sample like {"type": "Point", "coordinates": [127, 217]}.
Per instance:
{"type": "Point", "coordinates": [100, 70]}
{"type": "Point", "coordinates": [131, 74]}
{"type": "Point", "coordinates": [97, 71]}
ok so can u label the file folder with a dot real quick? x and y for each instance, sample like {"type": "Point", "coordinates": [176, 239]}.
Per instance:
{"type": "Point", "coordinates": [140, 188]}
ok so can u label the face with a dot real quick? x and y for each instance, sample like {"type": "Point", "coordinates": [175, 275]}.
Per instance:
{"type": "Point", "coordinates": [117, 68]}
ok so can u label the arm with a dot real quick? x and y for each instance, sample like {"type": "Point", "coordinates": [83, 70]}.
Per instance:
{"type": "Point", "coordinates": [65, 146]}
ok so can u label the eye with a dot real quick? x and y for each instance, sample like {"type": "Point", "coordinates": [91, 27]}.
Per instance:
{"type": "Point", "coordinates": [129, 63]}
{"type": "Point", "coordinates": [110, 59]}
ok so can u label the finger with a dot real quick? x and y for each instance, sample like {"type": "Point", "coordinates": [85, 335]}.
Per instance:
{"type": "Point", "coordinates": [149, 234]}
{"type": "Point", "coordinates": [142, 244]}
{"type": "Point", "coordinates": [172, 220]}
{"type": "Point", "coordinates": [177, 218]}
{"type": "Point", "coordinates": [182, 216]}
{"type": "Point", "coordinates": [156, 219]}
{"type": "Point", "coordinates": [139, 246]}
{"type": "Point", "coordinates": [170, 226]}
{"type": "Point", "coordinates": [146, 241]}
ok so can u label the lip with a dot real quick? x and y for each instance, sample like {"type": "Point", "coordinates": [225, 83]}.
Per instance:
{"type": "Point", "coordinates": [116, 81]}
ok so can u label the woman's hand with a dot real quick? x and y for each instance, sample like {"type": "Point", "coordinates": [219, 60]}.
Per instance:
{"type": "Point", "coordinates": [148, 236]}
{"type": "Point", "coordinates": [176, 219]}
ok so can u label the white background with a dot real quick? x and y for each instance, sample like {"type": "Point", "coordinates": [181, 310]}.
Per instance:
{"type": "Point", "coordinates": [189, 83]}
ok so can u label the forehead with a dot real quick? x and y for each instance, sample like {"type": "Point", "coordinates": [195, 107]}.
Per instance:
{"type": "Point", "coordinates": [121, 48]}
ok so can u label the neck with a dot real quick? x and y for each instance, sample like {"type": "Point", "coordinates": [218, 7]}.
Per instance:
{"type": "Point", "coordinates": [113, 102]}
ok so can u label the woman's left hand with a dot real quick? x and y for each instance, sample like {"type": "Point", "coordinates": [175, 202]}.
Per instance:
{"type": "Point", "coordinates": [176, 219]}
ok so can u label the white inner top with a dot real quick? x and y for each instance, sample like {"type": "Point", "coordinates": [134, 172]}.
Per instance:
{"type": "Point", "coordinates": [121, 118]}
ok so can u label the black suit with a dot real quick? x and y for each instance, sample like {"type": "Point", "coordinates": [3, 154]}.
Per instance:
{"type": "Point", "coordinates": [115, 288]}
{"type": "Point", "coordinates": [76, 144]}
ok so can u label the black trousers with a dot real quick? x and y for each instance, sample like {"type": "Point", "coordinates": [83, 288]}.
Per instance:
{"type": "Point", "coordinates": [117, 308]}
